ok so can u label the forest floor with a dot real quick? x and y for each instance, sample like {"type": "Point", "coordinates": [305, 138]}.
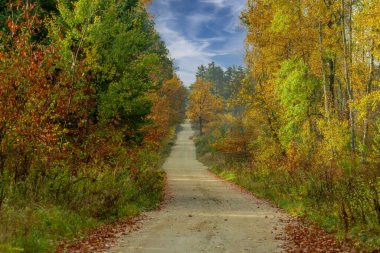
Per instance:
{"type": "Point", "coordinates": [203, 213]}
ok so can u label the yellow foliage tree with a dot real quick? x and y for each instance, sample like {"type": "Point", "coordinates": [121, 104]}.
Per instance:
{"type": "Point", "coordinates": [203, 104]}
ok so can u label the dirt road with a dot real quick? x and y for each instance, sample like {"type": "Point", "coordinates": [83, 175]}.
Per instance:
{"type": "Point", "coordinates": [205, 214]}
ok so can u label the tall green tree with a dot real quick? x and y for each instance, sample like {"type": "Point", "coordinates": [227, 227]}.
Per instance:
{"type": "Point", "coordinates": [214, 74]}
{"type": "Point", "coordinates": [123, 55]}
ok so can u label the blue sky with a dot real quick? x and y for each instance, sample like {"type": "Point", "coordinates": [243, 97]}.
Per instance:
{"type": "Point", "coordinates": [200, 31]}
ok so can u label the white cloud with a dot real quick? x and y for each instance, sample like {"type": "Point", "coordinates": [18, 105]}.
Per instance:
{"type": "Point", "coordinates": [188, 54]}
{"type": "Point", "coordinates": [219, 3]}
{"type": "Point", "coordinates": [235, 5]}
{"type": "Point", "coordinates": [197, 36]}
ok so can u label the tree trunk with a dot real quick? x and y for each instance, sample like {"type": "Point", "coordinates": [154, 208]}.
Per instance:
{"type": "Point", "coordinates": [2, 177]}
{"type": "Point", "coordinates": [200, 126]}
{"type": "Point", "coordinates": [2, 166]}
{"type": "Point", "coordinates": [368, 91]}
{"type": "Point", "coordinates": [347, 60]}
{"type": "Point", "coordinates": [244, 137]}
{"type": "Point", "coordinates": [331, 64]}
{"type": "Point", "coordinates": [324, 79]}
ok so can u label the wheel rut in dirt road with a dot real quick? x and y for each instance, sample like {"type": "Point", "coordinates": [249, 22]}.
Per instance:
{"type": "Point", "coordinates": [204, 214]}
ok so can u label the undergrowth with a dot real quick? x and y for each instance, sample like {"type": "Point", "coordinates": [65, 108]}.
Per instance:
{"type": "Point", "coordinates": [58, 205]}
{"type": "Point", "coordinates": [343, 206]}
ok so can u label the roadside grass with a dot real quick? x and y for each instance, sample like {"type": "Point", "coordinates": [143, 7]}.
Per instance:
{"type": "Point", "coordinates": [59, 206]}
{"type": "Point", "coordinates": [326, 214]}
{"type": "Point", "coordinates": [344, 207]}
{"type": "Point", "coordinates": [38, 225]}
{"type": "Point", "coordinates": [33, 228]}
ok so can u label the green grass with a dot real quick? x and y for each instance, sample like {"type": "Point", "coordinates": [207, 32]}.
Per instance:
{"type": "Point", "coordinates": [296, 201]}
{"type": "Point", "coordinates": [38, 225]}
{"type": "Point", "coordinates": [34, 228]}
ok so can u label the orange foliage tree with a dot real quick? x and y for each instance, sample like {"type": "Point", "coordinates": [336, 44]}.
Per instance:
{"type": "Point", "coordinates": [36, 98]}
{"type": "Point", "coordinates": [168, 109]}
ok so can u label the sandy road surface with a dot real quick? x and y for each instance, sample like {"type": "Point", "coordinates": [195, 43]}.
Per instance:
{"type": "Point", "coordinates": [205, 214]}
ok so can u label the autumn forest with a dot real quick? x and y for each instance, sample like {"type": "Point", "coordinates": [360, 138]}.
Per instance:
{"type": "Point", "coordinates": [91, 105]}
{"type": "Point", "coordinates": [89, 101]}
{"type": "Point", "coordinates": [301, 124]}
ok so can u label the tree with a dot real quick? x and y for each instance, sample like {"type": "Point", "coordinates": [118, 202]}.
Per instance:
{"type": "Point", "coordinates": [235, 77]}
{"type": "Point", "coordinates": [214, 74]}
{"type": "Point", "coordinates": [299, 93]}
{"type": "Point", "coordinates": [124, 58]}
{"type": "Point", "coordinates": [203, 104]}
{"type": "Point", "coordinates": [33, 98]}
{"type": "Point", "coordinates": [168, 109]}
{"type": "Point", "coordinates": [88, 100]}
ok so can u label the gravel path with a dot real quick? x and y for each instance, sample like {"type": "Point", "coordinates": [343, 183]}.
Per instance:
{"type": "Point", "coordinates": [204, 213]}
